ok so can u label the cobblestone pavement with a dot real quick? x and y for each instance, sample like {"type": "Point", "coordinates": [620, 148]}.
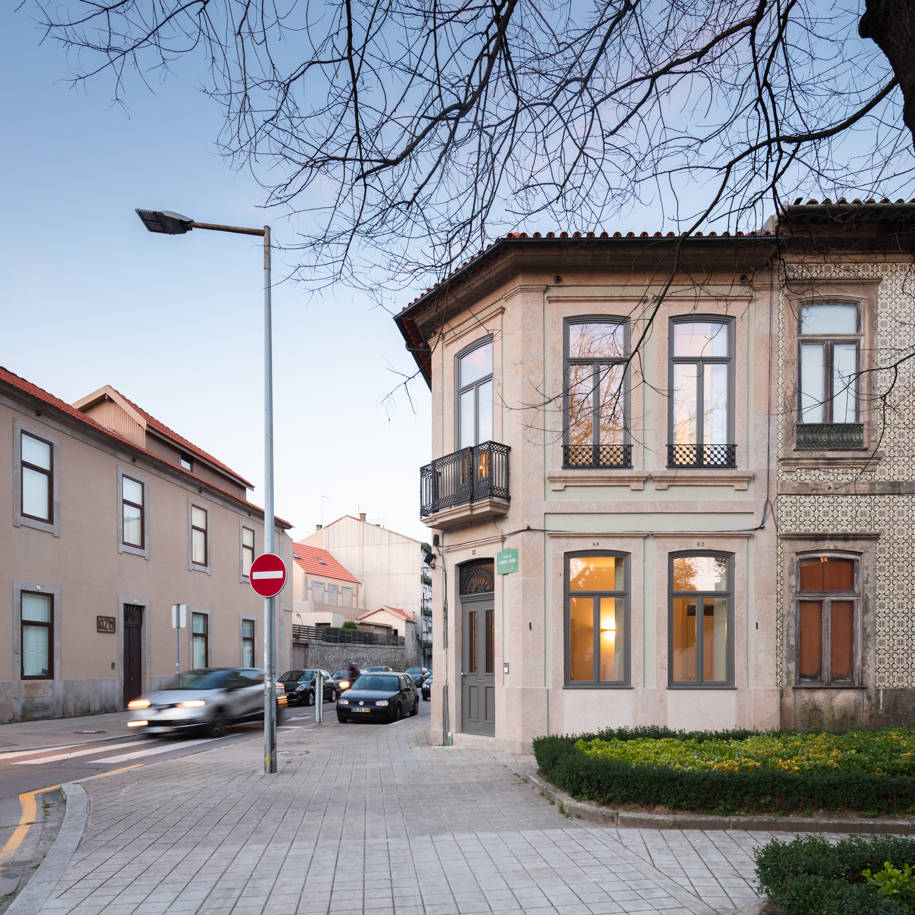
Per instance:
{"type": "Point", "coordinates": [371, 818]}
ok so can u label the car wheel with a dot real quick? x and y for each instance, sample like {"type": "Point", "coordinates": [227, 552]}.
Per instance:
{"type": "Point", "coordinates": [333, 695]}
{"type": "Point", "coordinates": [219, 725]}
{"type": "Point", "coordinates": [425, 698]}
{"type": "Point", "coordinates": [341, 718]}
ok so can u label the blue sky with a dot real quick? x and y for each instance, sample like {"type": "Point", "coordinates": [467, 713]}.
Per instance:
{"type": "Point", "coordinates": [90, 298]}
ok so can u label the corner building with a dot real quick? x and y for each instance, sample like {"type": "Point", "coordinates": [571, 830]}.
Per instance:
{"type": "Point", "coordinates": [611, 427]}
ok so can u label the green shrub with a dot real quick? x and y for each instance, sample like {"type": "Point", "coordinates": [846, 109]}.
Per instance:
{"type": "Point", "coordinates": [620, 766]}
{"type": "Point", "coordinates": [349, 624]}
{"type": "Point", "coordinates": [811, 874]}
{"type": "Point", "coordinates": [891, 881]}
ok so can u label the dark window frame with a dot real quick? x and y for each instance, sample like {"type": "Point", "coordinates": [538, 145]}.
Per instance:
{"type": "Point", "coordinates": [826, 597]}
{"type": "Point", "coordinates": [206, 540]}
{"type": "Point", "coordinates": [626, 595]}
{"type": "Point", "coordinates": [49, 626]}
{"type": "Point", "coordinates": [700, 682]}
{"type": "Point", "coordinates": [828, 341]}
{"type": "Point", "coordinates": [48, 473]}
{"type": "Point", "coordinates": [474, 386]}
{"type": "Point", "coordinates": [203, 636]}
{"type": "Point", "coordinates": [142, 506]}
{"type": "Point", "coordinates": [599, 366]}
{"type": "Point", "coordinates": [248, 640]}
{"type": "Point", "coordinates": [701, 361]}
{"type": "Point", "coordinates": [252, 549]}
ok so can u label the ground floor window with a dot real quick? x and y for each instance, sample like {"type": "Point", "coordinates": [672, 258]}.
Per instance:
{"type": "Point", "coordinates": [828, 602]}
{"type": "Point", "coordinates": [37, 634]}
{"type": "Point", "coordinates": [597, 619]}
{"type": "Point", "coordinates": [701, 617]}
{"type": "Point", "coordinates": [247, 643]}
{"type": "Point", "coordinates": [200, 640]}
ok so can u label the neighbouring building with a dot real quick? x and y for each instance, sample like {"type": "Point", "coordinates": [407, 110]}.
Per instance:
{"type": "Point", "coordinates": [325, 593]}
{"type": "Point", "coordinates": [673, 480]}
{"type": "Point", "coordinates": [110, 519]}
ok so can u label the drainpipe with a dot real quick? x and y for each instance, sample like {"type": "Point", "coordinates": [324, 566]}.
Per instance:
{"type": "Point", "coordinates": [447, 739]}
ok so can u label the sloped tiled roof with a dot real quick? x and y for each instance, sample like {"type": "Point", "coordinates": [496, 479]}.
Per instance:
{"type": "Point", "coordinates": [395, 611]}
{"type": "Point", "coordinates": [315, 561]}
{"type": "Point", "coordinates": [32, 390]}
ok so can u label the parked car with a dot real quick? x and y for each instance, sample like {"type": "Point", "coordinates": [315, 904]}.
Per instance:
{"type": "Point", "coordinates": [300, 686]}
{"type": "Point", "coordinates": [379, 697]}
{"type": "Point", "coordinates": [375, 670]}
{"type": "Point", "coordinates": [208, 699]}
{"type": "Point", "coordinates": [341, 679]}
{"type": "Point", "coordinates": [426, 688]}
{"type": "Point", "coordinates": [418, 674]}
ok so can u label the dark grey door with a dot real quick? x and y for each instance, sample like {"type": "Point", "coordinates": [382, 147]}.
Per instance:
{"type": "Point", "coordinates": [478, 713]}
{"type": "Point", "coordinates": [133, 651]}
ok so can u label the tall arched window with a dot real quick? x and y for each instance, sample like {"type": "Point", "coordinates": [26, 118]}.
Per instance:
{"type": "Point", "coordinates": [474, 394]}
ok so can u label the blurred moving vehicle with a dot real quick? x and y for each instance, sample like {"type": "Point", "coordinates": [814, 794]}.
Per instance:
{"type": "Point", "coordinates": [418, 674]}
{"type": "Point", "coordinates": [300, 686]}
{"type": "Point", "coordinates": [342, 679]}
{"type": "Point", "coordinates": [426, 688]}
{"type": "Point", "coordinates": [208, 699]}
{"type": "Point", "coordinates": [379, 697]}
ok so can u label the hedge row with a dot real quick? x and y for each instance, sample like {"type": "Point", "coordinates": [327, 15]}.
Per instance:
{"type": "Point", "coordinates": [612, 782]}
{"type": "Point", "coordinates": [811, 874]}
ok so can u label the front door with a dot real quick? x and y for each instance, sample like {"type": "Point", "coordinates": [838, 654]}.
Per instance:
{"type": "Point", "coordinates": [133, 651]}
{"type": "Point", "coordinates": [478, 713]}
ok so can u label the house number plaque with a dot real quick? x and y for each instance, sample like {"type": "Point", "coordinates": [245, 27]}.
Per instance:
{"type": "Point", "coordinates": [104, 624]}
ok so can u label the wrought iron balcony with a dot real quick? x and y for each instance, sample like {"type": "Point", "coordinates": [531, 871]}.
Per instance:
{"type": "Point", "coordinates": [829, 436]}
{"type": "Point", "coordinates": [702, 456]}
{"type": "Point", "coordinates": [585, 456]}
{"type": "Point", "coordinates": [472, 477]}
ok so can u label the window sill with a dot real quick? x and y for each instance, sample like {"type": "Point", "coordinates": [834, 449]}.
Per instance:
{"type": "Point", "coordinates": [806, 460]}
{"type": "Point", "coordinates": [589, 476]}
{"type": "Point", "coordinates": [703, 686]}
{"type": "Point", "coordinates": [738, 479]}
{"type": "Point", "coordinates": [597, 686]}
{"type": "Point", "coordinates": [829, 686]}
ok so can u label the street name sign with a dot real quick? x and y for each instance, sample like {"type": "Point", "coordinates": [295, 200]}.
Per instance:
{"type": "Point", "coordinates": [268, 575]}
{"type": "Point", "coordinates": [507, 561]}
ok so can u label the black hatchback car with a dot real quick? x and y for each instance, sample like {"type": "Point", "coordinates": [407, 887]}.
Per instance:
{"type": "Point", "coordinates": [300, 686]}
{"type": "Point", "coordinates": [379, 697]}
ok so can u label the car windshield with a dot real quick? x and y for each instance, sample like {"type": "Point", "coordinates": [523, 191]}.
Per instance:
{"type": "Point", "coordinates": [414, 670]}
{"type": "Point", "coordinates": [199, 679]}
{"type": "Point", "coordinates": [377, 682]}
{"type": "Point", "coordinates": [343, 674]}
{"type": "Point", "coordinates": [376, 669]}
{"type": "Point", "coordinates": [294, 676]}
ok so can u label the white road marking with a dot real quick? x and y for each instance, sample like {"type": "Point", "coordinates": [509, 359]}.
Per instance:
{"type": "Point", "coordinates": [14, 753]}
{"type": "Point", "coordinates": [60, 756]}
{"type": "Point", "coordinates": [152, 751]}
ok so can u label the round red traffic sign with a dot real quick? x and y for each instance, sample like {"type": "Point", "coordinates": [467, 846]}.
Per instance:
{"type": "Point", "coordinates": [268, 575]}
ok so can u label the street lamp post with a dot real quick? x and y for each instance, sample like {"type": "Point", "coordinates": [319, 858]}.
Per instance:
{"type": "Point", "coordinates": [168, 223]}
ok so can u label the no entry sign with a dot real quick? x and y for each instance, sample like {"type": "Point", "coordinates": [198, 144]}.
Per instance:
{"type": "Point", "coordinates": [268, 575]}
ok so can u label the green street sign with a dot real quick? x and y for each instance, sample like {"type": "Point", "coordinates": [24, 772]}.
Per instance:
{"type": "Point", "coordinates": [507, 561]}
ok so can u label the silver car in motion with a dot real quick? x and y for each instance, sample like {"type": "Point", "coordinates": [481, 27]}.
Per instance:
{"type": "Point", "coordinates": [208, 699]}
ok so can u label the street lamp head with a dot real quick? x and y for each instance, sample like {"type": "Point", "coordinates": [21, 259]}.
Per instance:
{"type": "Point", "coordinates": [166, 222]}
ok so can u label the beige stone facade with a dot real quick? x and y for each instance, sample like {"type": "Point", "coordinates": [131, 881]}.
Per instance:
{"type": "Point", "coordinates": [717, 522]}
{"type": "Point", "coordinates": [110, 519]}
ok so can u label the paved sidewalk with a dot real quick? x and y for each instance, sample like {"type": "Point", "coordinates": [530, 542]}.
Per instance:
{"type": "Point", "coordinates": [370, 818]}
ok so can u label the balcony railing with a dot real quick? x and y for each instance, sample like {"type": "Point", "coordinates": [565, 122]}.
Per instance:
{"type": "Point", "coordinates": [829, 436]}
{"type": "Point", "coordinates": [586, 456]}
{"type": "Point", "coordinates": [467, 476]}
{"type": "Point", "coordinates": [701, 455]}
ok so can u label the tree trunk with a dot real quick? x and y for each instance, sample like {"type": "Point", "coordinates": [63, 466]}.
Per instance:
{"type": "Point", "coordinates": [891, 24]}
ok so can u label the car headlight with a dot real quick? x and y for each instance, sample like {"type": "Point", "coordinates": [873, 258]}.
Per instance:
{"type": "Point", "coordinates": [343, 702]}
{"type": "Point", "coordinates": [382, 702]}
{"type": "Point", "coordinates": [344, 684]}
{"type": "Point", "coordinates": [192, 703]}
{"type": "Point", "coordinates": [138, 703]}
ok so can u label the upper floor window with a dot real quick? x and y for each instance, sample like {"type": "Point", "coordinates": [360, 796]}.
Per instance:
{"type": "Point", "coordinates": [37, 478]}
{"type": "Point", "coordinates": [701, 622]}
{"type": "Point", "coordinates": [701, 404]}
{"type": "Point", "coordinates": [332, 594]}
{"type": "Point", "coordinates": [828, 608]}
{"type": "Point", "coordinates": [37, 635]}
{"type": "Point", "coordinates": [596, 409]}
{"type": "Point", "coordinates": [474, 395]}
{"type": "Point", "coordinates": [247, 551]}
{"type": "Point", "coordinates": [597, 619]}
{"type": "Point", "coordinates": [828, 368]}
{"type": "Point", "coordinates": [347, 596]}
{"type": "Point", "coordinates": [317, 592]}
{"type": "Point", "coordinates": [199, 551]}
{"type": "Point", "coordinates": [133, 521]}
{"type": "Point", "coordinates": [185, 462]}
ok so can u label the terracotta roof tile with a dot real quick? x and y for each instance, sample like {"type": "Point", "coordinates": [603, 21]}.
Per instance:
{"type": "Point", "coordinates": [14, 380]}
{"type": "Point", "coordinates": [394, 610]}
{"type": "Point", "coordinates": [315, 561]}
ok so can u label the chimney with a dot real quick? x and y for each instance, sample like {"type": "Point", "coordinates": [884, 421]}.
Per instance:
{"type": "Point", "coordinates": [362, 516]}
{"type": "Point", "coordinates": [318, 527]}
